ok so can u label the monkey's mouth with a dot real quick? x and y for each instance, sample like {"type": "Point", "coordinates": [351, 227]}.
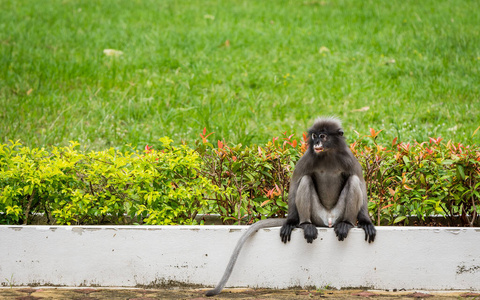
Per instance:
{"type": "Point", "coordinates": [318, 149]}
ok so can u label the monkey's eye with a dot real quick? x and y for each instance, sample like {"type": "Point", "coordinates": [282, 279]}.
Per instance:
{"type": "Point", "coordinates": [314, 136]}
{"type": "Point", "coordinates": [340, 132]}
{"type": "Point", "coordinates": [323, 136]}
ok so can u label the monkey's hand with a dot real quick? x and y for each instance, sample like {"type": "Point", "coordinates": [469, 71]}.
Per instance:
{"type": "Point", "coordinates": [341, 230]}
{"type": "Point", "coordinates": [309, 231]}
{"type": "Point", "coordinates": [370, 231]}
{"type": "Point", "coordinates": [286, 232]}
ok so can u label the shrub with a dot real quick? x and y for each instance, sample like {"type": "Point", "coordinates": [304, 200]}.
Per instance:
{"type": "Point", "coordinates": [252, 182]}
{"type": "Point", "coordinates": [72, 187]}
{"type": "Point", "coordinates": [421, 179]}
{"type": "Point", "coordinates": [172, 184]}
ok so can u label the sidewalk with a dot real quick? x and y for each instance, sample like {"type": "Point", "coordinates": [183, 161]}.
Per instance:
{"type": "Point", "coordinates": [196, 293]}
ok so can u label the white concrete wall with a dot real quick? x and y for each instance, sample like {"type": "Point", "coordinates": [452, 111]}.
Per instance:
{"type": "Point", "coordinates": [400, 258]}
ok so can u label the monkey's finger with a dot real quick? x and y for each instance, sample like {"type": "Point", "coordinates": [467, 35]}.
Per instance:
{"type": "Point", "coordinates": [285, 235]}
{"type": "Point", "coordinates": [370, 234]}
{"type": "Point", "coordinates": [372, 237]}
{"type": "Point", "coordinates": [370, 230]}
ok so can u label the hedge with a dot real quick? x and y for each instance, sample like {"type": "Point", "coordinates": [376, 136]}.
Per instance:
{"type": "Point", "coordinates": [174, 183]}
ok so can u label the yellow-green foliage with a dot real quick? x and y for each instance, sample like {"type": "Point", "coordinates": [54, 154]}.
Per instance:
{"type": "Point", "coordinates": [73, 187]}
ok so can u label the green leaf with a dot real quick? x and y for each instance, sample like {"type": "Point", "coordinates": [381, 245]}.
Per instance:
{"type": "Point", "coordinates": [460, 171]}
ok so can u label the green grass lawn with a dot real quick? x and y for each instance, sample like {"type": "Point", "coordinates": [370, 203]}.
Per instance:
{"type": "Point", "coordinates": [246, 70]}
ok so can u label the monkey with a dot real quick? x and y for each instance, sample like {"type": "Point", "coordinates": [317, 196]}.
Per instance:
{"type": "Point", "coordinates": [327, 189]}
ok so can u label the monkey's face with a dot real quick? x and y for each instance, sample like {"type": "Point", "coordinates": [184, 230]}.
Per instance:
{"type": "Point", "coordinates": [318, 142]}
{"type": "Point", "coordinates": [323, 141]}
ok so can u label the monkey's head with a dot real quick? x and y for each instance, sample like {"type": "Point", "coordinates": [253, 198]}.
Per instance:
{"type": "Point", "coordinates": [325, 135]}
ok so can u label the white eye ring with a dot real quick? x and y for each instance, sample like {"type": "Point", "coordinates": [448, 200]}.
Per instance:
{"type": "Point", "coordinates": [314, 136]}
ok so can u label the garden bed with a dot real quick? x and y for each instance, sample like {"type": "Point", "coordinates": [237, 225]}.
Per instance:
{"type": "Point", "coordinates": [428, 258]}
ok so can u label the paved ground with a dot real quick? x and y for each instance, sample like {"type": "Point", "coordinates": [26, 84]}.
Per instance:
{"type": "Point", "coordinates": [195, 293]}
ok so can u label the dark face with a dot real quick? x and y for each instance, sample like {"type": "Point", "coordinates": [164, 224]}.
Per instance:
{"type": "Point", "coordinates": [325, 138]}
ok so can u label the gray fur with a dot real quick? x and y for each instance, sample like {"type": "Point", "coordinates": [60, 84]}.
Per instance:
{"type": "Point", "coordinates": [233, 258]}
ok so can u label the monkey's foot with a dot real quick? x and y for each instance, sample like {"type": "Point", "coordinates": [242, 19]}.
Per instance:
{"type": "Point", "coordinates": [310, 232]}
{"type": "Point", "coordinates": [286, 232]}
{"type": "Point", "coordinates": [341, 230]}
{"type": "Point", "coordinates": [370, 231]}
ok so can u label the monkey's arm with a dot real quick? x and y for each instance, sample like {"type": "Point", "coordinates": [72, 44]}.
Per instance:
{"type": "Point", "coordinates": [366, 224]}
{"type": "Point", "coordinates": [233, 259]}
{"type": "Point", "coordinates": [363, 217]}
{"type": "Point", "coordinates": [293, 218]}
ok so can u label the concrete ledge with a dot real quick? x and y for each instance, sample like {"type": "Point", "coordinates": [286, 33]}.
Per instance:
{"type": "Point", "coordinates": [427, 258]}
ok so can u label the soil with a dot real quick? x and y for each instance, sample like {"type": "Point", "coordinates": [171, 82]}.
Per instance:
{"type": "Point", "coordinates": [197, 294]}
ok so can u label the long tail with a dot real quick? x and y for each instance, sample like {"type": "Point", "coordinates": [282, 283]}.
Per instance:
{"type": "Point", "coordinates": [233, 259]}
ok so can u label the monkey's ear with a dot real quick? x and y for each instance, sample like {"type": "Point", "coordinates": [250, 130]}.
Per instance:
{"type": "Point", "coordinates": [340, 132]}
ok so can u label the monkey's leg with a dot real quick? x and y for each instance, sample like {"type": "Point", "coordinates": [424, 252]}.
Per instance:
{"type": "Point", "coordinates": [307, 201]}
{"type": "Point", "coordinates": [348, 207]}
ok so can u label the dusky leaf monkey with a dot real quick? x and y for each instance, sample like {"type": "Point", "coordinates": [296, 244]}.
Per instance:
{"type": "Point", "coordinates": [327, 189]}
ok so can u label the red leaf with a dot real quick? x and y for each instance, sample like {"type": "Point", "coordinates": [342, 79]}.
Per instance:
{"type": "Point", "coordinates": [435, 141]}
{"type": "Point", "coordinates": [278, 189]}
{"type": "Point", "coordinates": [305, 138]}
{"type": "Point", "coordinates": [392, 192]}
{"type": "Point", "coordinates": [387, 206]}
{"type": "Point", "coordinates": [294, 144]}
{"type": "Point", "coordinates": [373, 133]}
